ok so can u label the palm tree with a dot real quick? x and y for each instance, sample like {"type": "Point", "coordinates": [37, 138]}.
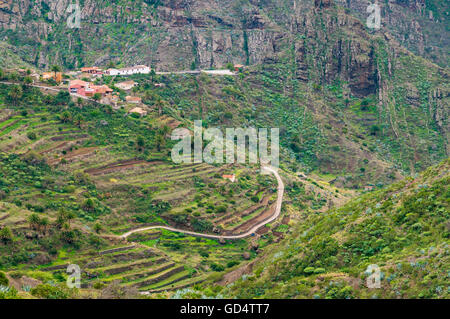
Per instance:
{"type": "Point", "coordinates": [78, 119]}
{"type": "Point", "coordinates": [34, 221]}
{"type": "Point", "coordinates": [27, 80]}
{"type": "Point", "coordinates": [97, 227]}
{"type": "Point", "coordinates": [152, 74]}
{"type": "Point", "coordinates": [159, 104]}
{"type": "Point", "coordinates": [15, 93]}
{"type": "Point", "coordinates": [6, 234]}
{"type": "Point", "coordinates": [44, 222]}
{"type": "Point", "coordinates": [160, 141]}
{"type": "Point", "coordinates": [164, 130]}
{"type": "Point", "coordinates": [56, 68]}
{"type": "Point", "coordinates": [89, 205]}
{"type": "Point", "coordinates": [140, 142]}
{"type": "Point", "coordinates": [97, 97]}
{"type": "Point", "coordinates": [65, 117]}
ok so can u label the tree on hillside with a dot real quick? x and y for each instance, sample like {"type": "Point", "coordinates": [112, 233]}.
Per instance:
{"type": "Point", "coordinates": [43, 224]}
{"type": "Point", "coordinates": [97, 97]}
{"type": "Point", "coordinates": [56, 69]}
{"type": "Point", "coordinates": [140, 142]}
{"type": "Point", "coordinates": [6, 235]}
{"type": "Point", "coordinates": [27, 80]}
{"type": "Point", "coordinates": [66, 117]}
{"type": "Point", "coordinates": [4, 281]}
{"type": "Point", "coordinates": [98, 228]}
{"type": "Point", "coordinates": [160, 141]}
{"type": "Point", "coordinates": [89, 205]}
{"type": "Point", "coordinates": [159, 104]}
{"type": "Point", "coordinates": [78, 120]}
{"type": "Point", "coordinates": [34, 221]}
{"type": "Point", "coordinates": [15, 93]}
{"type": "Point", "coordinates": [152, 74]}
{"type": "Point", "coordinates": [64, 217]}
{"type": "Point", "coordinates": [62, 98]}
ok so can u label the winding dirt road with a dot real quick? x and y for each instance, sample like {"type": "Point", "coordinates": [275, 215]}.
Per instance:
{"type": "Point", "coordinates": [248, 233]}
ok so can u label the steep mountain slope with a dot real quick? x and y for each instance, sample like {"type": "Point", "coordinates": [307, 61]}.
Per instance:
{"type": "Point", "coordinates": [179, 33]}
{"type": "Point", "coordinates": [76, 176]}
{"type": "Point", "coordinates": [392, 101]}
{"type": "Point", "coordinates": [403, 229]}
{"type": "Point", "coordinates": [355, 110]}
{"type": "Point", "coordinates": [10, 59]}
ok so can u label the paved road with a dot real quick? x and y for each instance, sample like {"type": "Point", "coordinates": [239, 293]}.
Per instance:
{"type": "Point", "coordinates": [212, 72]}
{"type": "Point", "coordinates": [280, 193]}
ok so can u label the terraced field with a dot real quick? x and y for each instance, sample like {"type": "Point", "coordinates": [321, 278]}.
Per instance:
{"type": "Point", "coordinates": [89, 175]}
{"type": "Point", "coordinates": [123, 180]}
{"type": "Point", "coordinates": [134, 190]}
{"type": "Point", "coordinates": [131, 265]}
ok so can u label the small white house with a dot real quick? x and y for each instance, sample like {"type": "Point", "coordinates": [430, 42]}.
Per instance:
{"type": "Point", "coordinates": [126, 85]}
{"type": "Point", "coordinates": [137, 69]}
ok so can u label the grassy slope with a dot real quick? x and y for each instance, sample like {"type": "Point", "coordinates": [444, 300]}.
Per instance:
{"type": "Point", "coordinates": [58, 157]}
{"type": "Point", "coordinates": [11, 59]}
{"type": "Point", "coordinates": [402, 228]}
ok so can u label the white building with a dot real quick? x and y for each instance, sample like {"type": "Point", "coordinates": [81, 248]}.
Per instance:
{"type": "Point", "coordinates": [126, 85]}
{"type": "Point", "coordinates": [138, 69]}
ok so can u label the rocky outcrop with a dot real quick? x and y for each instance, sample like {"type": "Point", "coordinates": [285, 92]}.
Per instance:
{"type": "Point", "coordinates": [418, 25]}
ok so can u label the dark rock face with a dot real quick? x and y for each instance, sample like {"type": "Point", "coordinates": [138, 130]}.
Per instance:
{"type": "Point", "coordinates": [418, 25]}
{"type": "Point", "coordinates": [323, 3]}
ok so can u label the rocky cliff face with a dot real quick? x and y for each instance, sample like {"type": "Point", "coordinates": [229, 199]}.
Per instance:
{"type": "Point", "coordinates": [185, 33]}
{"type": "Point", "coordinates": [419, 25]}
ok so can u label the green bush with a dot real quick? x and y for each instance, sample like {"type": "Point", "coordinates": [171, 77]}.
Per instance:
{"type": "Point", "coordinates": [4, 281]}
{"type": "Point", "coordinates": [308, 270]}
{"type": "Point", "coordinates": [217, 267]}
{"type": "Point", "coordinates": [31, 135]}
{"type": "Point", "coordinates": [319, 270]}
{"type": "Point", "coordinates": [47, 291]}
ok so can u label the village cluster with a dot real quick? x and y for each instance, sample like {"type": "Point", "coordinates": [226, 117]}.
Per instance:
{"type": "Point", "coordinates": [81, 84]}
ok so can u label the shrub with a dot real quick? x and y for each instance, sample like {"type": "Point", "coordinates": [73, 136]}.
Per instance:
{"type": "Point", "coordinates": [221, 209]}
{"type": "Point", "coordinates": [308, 270]}
{"type": "Point", "coordinates": [4, 281]}
{"type": "Point", "coordinates": [319, 270]}
{"type": "Point", "coordinates": [6, 235]}
{"type": "Point", "coordinates": [99, 285]}
{"type": "Point", "coordinates": [49, 292]}
{"type": "Point", "coordinates": [217, 267]}
{"type": "Point", "coordinates": [31, 135]}
{"type": "Point", "coordinates": [232, 263]}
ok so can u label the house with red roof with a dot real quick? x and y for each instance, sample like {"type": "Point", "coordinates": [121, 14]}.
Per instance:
{"type": "Point", "coordinates": [87, 89]}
